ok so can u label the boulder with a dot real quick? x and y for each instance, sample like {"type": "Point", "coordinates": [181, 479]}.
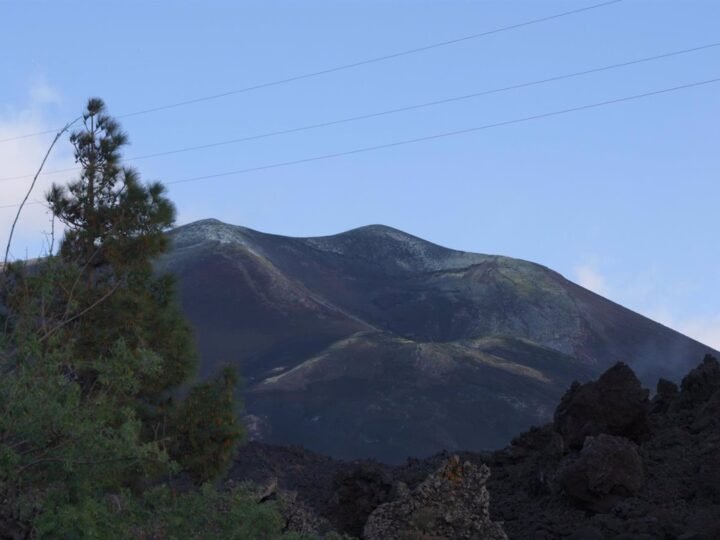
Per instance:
{"type": "Point", "coordinates": [357, 493]}
{"type": "Point", "coordinates": [616, 404]}
{"type": "Point", "coordinates": [665, 394]}
{"type": "Point", "coordinates": [607, 469]}
{"type": "Point", "coordinates": [708, 414]}
{"type": "Point", "coordinates": [709, 475]}
{"type": "Point", "coordinates": [452, 503]}
{"type": "Point", "coordinates": [701, 383]}
{"type": "Point", "coordinates": [297, 516]}
{"type": "Point", "coordinates": [587, 533]}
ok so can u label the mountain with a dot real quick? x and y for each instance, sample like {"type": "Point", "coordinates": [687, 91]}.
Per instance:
{"type": "Point", "coordinates": [376, 343]}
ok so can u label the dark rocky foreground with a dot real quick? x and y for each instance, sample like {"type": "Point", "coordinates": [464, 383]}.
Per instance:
{"type": "Point", "coordinates": [613, 464]}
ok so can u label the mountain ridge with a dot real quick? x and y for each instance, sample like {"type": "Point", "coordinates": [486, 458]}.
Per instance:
{"type": "Point", "coordinates": [376, 343]}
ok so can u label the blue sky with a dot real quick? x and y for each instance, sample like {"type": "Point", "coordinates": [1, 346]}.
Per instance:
{"type": "Point", "coordinates": [623, 198]}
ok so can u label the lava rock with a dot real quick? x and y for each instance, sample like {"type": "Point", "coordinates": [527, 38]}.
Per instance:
{"type": "Point", "coordinates": [616, 405]}
{"type": "Point", "coordinates": [453, 502]}
{"type": "Point", "coordinates": [708, 414]}
{"type": "Point", "coordinates": [667, 389]}
{"type": "Point", "coordinates": [357, 493]}
{"type": "Point", "coordinates": [297, 516]}
{"type": "Point", "coordinates": [701, 383]}
{"type": "Point", "coordinates": [665, 394]}
{"type": "Point", "coordinates": [709, 476]}
{"type": "Point", "coordinates": [607, 469]}
{"type": "Point", "coordinates": [587, 533]}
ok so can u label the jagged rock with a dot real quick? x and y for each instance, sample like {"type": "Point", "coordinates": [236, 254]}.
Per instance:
{"type": "Point", "coordinates": [299, 518]}
{"type": "Point", "coordinates": [616, 404]}
{"type": "Point", "coordinates": [702, 382]}
{"type": "Point", "coordinates": [297, 515]}
{"type": "Point", "coordinates": [666, 392]}
{"type": "Point", "coordinates": [704, 526]}
{"type": "Point", "coordinates": [538, 439]}
{"type": "Point", "coordinates": [667, 389]}
{"type": "Point", "coordinates": [607, 469]}
{"type": "Point", "coordinates": [709, 475]}
{"type": "Point", "coordinates": [680, 497]}
{"type": "Point", "coordinates": [587, 533]}
{"type": "Point", "coordinates": [709, 413]}
{"type": "Point", "coordinates": [452, 503]}
{"type": "Point", "coordinates": [357, 493]}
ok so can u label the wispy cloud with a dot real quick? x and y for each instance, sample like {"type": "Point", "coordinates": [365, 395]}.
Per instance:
{"type": "Point", "coordinates": [641, 293]}
{"type": "Point", "coordinates": [589, 277]}
{"type": "Point", "coordinates": [22, 157]}
{"type": "Point", "coordinates": [41, 93]}
{"type": "Point", "coordinates": [706, 330]}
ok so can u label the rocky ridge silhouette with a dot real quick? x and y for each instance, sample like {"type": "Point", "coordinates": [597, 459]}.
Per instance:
{"type": "Point", "coordinates": [614, 463]}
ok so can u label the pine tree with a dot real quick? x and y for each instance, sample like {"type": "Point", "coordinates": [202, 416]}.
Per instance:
{"type": "Point", "coordinates": [115, 228]}
{"type": "Point", "coordinates": [93, 353]}
{"type": "Point", "coordinates": [112, 218]}
{"type": "Point", "coordinates": [207, 428]}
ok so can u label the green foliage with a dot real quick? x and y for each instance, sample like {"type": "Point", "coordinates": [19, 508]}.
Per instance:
{"type": "Point", "coordinates": [62, 447]}
{"type": "Point", "coordinates": [112, 219]}
{"type": "Point", "coordinates": [204, 514]}
{"type": "Point", "coordinates": [207, 514]}
{"type": "Point", "coordinates": [208, 428]}
{"type": "Point", "coordinates": [115, 227]}
{"type": "Point", "coordinates": [93, 353]}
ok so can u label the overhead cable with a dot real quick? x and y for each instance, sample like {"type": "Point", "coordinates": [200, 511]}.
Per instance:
{"type": "Point", "coordinates": [386, 112]}
{"type": "Point", "coordinates": [341, 67]}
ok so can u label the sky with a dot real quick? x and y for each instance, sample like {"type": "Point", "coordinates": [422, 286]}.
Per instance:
{"type": "Point", "coordinates": [622, 198]}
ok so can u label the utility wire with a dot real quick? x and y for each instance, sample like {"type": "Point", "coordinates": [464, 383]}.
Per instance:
{"type": "Point", "coordinates": [342, 67]}
{"type": "Point", "coordinates": [446, 134]}
{"type": "Point", "coordinates": [388, 111]}
{"type": "Point", "coordinates": [437, 135]}
{"type": "Point", "coordinates": [4, 206]}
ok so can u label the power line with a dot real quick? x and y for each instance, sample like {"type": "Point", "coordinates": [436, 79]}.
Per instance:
{"type": "Point", "coordinates": [341, 67]}
{"type": "Point", "coordinates": [16, 205]}
{"type": "Point", "coordinates": [446, 134]}
{"type": "Point", "coordinates": [438, 135]}
{"type": "Point", "coordinates": [390, 111]}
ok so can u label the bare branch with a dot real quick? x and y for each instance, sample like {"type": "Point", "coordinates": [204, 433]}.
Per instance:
{"type": "Point", "coordinates": [29, 191]}
{"type": "Point", "coordinates": [82, 462]}
{"type": "Point", "coordinates": [80, 314]}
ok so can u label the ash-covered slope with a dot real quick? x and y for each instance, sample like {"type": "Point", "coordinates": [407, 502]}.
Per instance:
{"type": "Point", "coordinates": [375, 343]}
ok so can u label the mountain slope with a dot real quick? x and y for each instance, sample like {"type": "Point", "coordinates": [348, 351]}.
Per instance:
{"type": "Point", "coordinates": [375, 343]}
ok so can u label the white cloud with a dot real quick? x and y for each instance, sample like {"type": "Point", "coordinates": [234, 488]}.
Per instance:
{"type": "Point", "coordinates": [589, 277]}
{"type": "Point", "coordinates": [706, 330]}
{"type": "Point", "coordinates": [639, 293]}
{"type": "Point", "coordinates": [20, 157]}
{"type": "Point", "coordinates": [41, 93]}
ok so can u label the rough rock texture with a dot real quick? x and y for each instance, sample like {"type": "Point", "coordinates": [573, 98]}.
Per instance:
{"type": "Point", "coordinates": [665, 394]}
{"type": "Point", "coordinates": [298, 516]}
{"type": "Point", "coordinates": [701, 383]}
{"type": "Point", "coordinates": [678, 456]}
{"type": "Point", "coordinates": [616, 404]}
{"type": "Point", "coordinates": [357, 493]}
{"type": "Point", "coordinates": [607, 469]}
{"type": "Point", "coordinates": [451, 503]}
